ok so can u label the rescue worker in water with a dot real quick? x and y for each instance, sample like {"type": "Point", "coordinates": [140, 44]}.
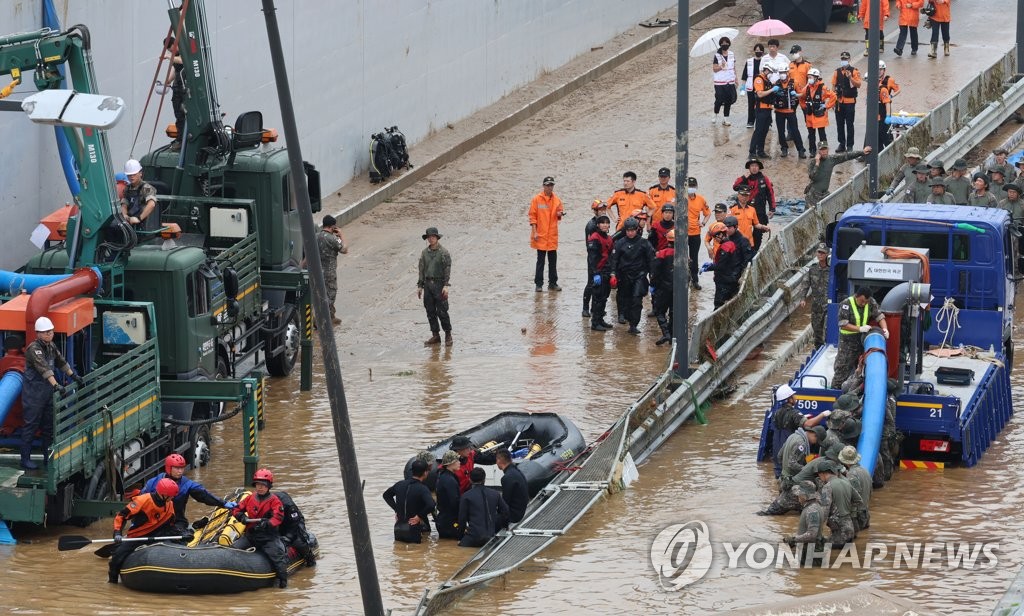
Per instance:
{"type": "Point", "coordinates": [263, 513]}
{"type": "Point", "coordinates": [174, 469]}
{"type": "Point", "coordinates": [146, 515]}
{"type": "Point", "coordinates": [468, 457]}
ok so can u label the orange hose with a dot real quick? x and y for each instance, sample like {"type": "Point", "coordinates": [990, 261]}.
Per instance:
{"type": "Point", "coordinates": [903, 253]}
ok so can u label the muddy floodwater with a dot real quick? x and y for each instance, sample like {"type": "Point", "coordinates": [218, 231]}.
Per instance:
{"type": "Point", "coordinates": [516, 349]}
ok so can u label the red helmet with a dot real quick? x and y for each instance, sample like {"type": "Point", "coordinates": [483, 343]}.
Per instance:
{"type": "Point", "coordinates": [263, 474]}
{"type": "Point", "coordinates": [167, 488]}
{"type": "Point", "coordinates": [174, 460]}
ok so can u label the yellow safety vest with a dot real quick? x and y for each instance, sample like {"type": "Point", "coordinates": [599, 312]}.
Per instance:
{"type": "Point", "coordinates": [860, 319]}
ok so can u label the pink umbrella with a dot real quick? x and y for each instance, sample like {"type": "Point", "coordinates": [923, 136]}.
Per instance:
{"type": "Point", "coordinates": [769, 27]}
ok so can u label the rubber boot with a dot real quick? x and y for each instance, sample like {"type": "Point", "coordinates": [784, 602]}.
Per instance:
{"type": "Point", "coordinates": [881, 45]}
{"type": "Point", "coordinates": [945, 49]}
{"type": "Point", "coordinates": [934, 53]}
{"type": "Point", "coordinates": [867, 48]}
{"type": "Point", "coordinates": [448, 338]}
{"type": "Point", "coordinates": [282, 582]}
{"type": "Point", "coordinates": [435, 339]}
{"type": "Point", "coordinates": [309, 557]}
{"type": "Point", "coordinates": [666, 335]}
{"type": "Point", "coordinates": [26, 459]}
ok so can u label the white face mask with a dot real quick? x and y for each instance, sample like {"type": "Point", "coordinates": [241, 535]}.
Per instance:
{"type": "Point", "coordinates": [796, 57]}
{"type": "Point", "coordinates": [812, 80]}
{"type": "Point", "coordinates": [773, 77]}
{"type": "Point", "coordinates": [844, 63]}
{"type": "Point", "coordinates": [691, 191]}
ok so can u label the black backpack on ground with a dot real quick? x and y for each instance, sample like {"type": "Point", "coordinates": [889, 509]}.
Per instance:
{"type": "Point", "coordinates": [399, 150]}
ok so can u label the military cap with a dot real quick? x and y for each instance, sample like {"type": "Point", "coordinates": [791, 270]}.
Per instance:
{"type": "Point", "coordinates": [819, 431]}
{"type": "Point", "coordinates": [807, 489]}
{"type": "Point", "coordinates": [828, 467]}
{"type": "Point", "coordinates": [893, 386]}
{"type": "Point", "coordinates": [822, 145]}
{"type": "Point", "coordinates": [936, 164]}
{"type": "Point", "coordinates": [912, 152]}
{"type": "Point", "coordinates": [937, 181]}
{"type": "Point", "coordinates": [549, 181]}
{"type": "Point", "coordinates": [849, 455]}
{"type": "Point", "coordinates": [432, 231]}
{"type": "Point", "coordinates": [844, 55]}
{"type": "Point", "coordinates": [664, 172]}
{"type": "Point", "coordinates": [960, 164]}
{"type": "Point", "coordinates": [832, 453]}
{"type": "Point", "coordinates": [847, 402]}
{"type": "Point", "coordinates": [721, 207]}
{"type": "Point", "coordinates": [461, 442]}
{"type": "Point", "coordinates": [982, 177]}
{"type": "Point", "coordinates": [921, 168]}
{"type": "Point", "coordinates": [691, 181]}
{"type": "Point", "coordinates": [426, 457]}
{"type": "Point", "coordinates": [1012, 187]}
{"type": "Point", "coordinates": [822, 248]}
{"type": "Point", "coordinates": [450, 457]}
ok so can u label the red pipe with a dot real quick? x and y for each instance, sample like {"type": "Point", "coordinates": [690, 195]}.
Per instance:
{"type": "Point", "coordinates": [893, 321]}
{"type": "Point", "coordinates": [85, 281]}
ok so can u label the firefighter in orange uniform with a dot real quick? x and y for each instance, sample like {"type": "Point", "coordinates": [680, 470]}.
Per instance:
{"type": "Point", "coordinates": [698, 214]}
{"type": "Point", "coordinates": [147, 515]}
{"type": "Point", "coordinates": [910, 16]}
{"type": "Point", "coordinates": [864, 14]}
{"type": "Point", "coordinates": [545, 213]}
{"type": "Point", "coordinates": [764, 92]}
{"type": "Point", "coordinates": [746, 215]}
{"type": "Point", "coordinates": [661, 193]}
{"type": "Point", "coordinates": [816, 100]}
{"type": "Point", "coordinates": [629, 200]}
{"type": "Point", "coordinates": [940, 22]}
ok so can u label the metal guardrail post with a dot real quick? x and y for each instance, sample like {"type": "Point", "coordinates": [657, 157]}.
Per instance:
{"type": "Point", "coordinates": [250, 429]}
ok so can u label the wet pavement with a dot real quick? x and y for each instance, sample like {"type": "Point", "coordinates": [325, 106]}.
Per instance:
{"type": "Point", "coordinates": [520, 350]}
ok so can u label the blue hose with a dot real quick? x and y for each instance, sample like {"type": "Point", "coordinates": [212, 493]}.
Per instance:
{"type": "Point", "coordinates": [10, 391]}
{"type": "Point", "coordinates": [66, 154]}
{"type": "Point", "coordinates": [876, 377]}
{"type": "Point", "coordinates": [13, 283]}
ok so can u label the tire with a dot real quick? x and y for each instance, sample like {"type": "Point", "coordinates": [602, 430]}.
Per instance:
{"type": "Point", "coordinates": [200, 448]}
{"type": "Point", "coordinates": [1008, 352]}
{"type": "Point", "coordinates": [283, 363]}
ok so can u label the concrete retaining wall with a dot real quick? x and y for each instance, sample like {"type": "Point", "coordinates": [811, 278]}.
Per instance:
{"type": "Point", "coordinates": [355, 67]}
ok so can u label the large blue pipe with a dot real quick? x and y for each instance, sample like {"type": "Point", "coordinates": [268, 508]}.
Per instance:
{"type": "Point", "coordinates": [876, 377]}
{"type": "Point", "coordinates": [67, 155]}
{"type": "Point", "coordinates": [13, 283]}
{"type": "Point", "coordinates": [10, 391]}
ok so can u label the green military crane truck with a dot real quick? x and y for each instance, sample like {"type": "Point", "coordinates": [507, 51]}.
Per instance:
{"type": "Point", "coordinates": [166, 326]}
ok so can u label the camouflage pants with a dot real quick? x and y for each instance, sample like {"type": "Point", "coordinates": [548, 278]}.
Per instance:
{"type": "Point", "coordinates": [818, 325]}
{"type": "Point", "coordinates": [847, 356]}
{"type": "Point", "coordinates": [813, 197]}
{"type": "Point", "coordinates": [862, 519]}
{"type": "Point", "coordinates": [784, 502]}
{"type": "Point", "coordinates": [332, 291]}
{"type": "Point", "coordinates": [843, 529]}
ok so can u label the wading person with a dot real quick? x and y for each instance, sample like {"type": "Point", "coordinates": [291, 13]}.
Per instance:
{"type": "Point", "coordinates": [599, 252]}
{"type": "Point", "coordinates": [545, 213]}
{"type": "Point", "coordinates": [481, 510]}
{"type": "Point", "coordinates": [514, 489]}
{"type": "Point", "coordinates": [812, 516]}
{"type": "Point", "coordinates": [469, 457]}
{"type": "Point", "coordinates": [631, 262]}
{"type": "Point", "coordinates": [435, 270]}
{"type": "Point", "coordinates": [860, 479]}
{"type": "Point", "coordinates": [794, 457]}
{"type": "Point", "coordinates": [174, 469]}
{"type": "Point", "coordinates": [844, 501]}
{"type": "Point", "coordinates": [263, 513]}
{"type": "Point", "coordinates": [448, 493]}
{"type": "Point", "coordinates": [411, 501]}
{"type": "Point", "coordinates": [600, 209]}
{"type": "Point", "coordinates": [820, 171]}
{"type": "Point", "coordinates": [331, 243]}
{"type": "Point", "coordinates": [146, 515]}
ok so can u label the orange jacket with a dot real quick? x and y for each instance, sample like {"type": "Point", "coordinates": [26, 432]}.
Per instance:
{"type": "Point", "coordinates": [626, 204]}
{"type": "Point", "coordinates": [941, 11]}
{"type": "Point", "coordinates": [145, 515]}
{"type": "Point", "coordinates": [813, 94]}
{"type": "Point", "coordinates": [760, 85]}
{"type": "Point", "coordinates": [695, 207]}
{"type": "Point", "coordinates": [854, 80]}
{"type": "Point", "coordinates": [798, 73]}
{"type": "Point", "coordinates": [545, 212]}
{"type": "Point", "coordinates": [910, 12]}
{"type": "Point", "coordinates": [747, 217]}
{"type": "Point", "coordinates": [888, 83]}
{"type": "Point", "coordinates": [864, 14]}
{"type": "Point", "coordinates": [883, 103]}
{"type": "Point", "coordinates": [660, 197]}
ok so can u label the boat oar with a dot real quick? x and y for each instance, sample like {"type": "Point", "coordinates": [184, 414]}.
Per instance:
{"type": "Point", "coordinates": [77, 542]}
{"type": "Point", "coordinates": [523, 427]}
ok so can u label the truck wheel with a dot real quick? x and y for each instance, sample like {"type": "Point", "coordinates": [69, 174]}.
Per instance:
{"type": "Point", "coordinates": [200, 450]}
{"type": "Point", "coordinates": [282, 363]}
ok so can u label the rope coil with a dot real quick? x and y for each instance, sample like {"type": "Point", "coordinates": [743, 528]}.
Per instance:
{"type": "Point", "coordinates": [947, 320]}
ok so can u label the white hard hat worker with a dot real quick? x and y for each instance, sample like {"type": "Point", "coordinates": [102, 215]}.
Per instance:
{"type": "Point", "coordinates": [132, 167]}
{"type": "Point", "coordinates": [44, 324]}
{"type": "Point", "coordinates": [783, 393]}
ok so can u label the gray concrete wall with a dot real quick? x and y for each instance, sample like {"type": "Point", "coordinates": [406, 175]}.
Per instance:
{"type": "Point", "coordinates": [355, 66]}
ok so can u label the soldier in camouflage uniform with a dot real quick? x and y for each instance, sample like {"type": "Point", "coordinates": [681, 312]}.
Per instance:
{"type": "Point", "coordinates": [794, 457]}
{"type": "Point", "coordinates": [786, 418]}
{"type": "Point", "coordinates": [817, 293]}
{"type": "Point", "coordinates": [331, 244]}
{"type": "Point", "coordinates": [856, 313]}
{"type": "Point", "coordinates": [812, 516]}
{"type": "Point", "coordinates": [891, 437]}
{"type": "Point", "coordinates": [957, 185]}
{"type": "Point", "coordinates": [861, 481]}
{"type": "Point", "coordinates": [435, 271]}
{"type": "Point", "coordinates": [843, 502]}
{"type": "Point", "coordinates": [918, 191]}
{"type": "Point", "coordinates": [810, 471]}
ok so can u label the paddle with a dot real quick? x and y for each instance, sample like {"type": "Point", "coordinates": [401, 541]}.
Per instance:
{"type": "Point", "coordinates": [77, 542]}
{"type": "Point", "coordinates": [523, 427]}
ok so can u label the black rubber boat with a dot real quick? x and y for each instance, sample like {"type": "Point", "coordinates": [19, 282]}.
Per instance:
{"type": "Point", "coordinates": [545, 443]}
{"type": "Point", "coordinates": [203, 569]}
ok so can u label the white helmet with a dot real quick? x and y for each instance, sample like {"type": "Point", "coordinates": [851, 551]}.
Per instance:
{"type": "Point", "coordinates": [814, 73]}
{"type": "Point", "coordinates": [43, 324]}
{"type": "Point", "coordinates": [881, 65]}
{"type": "Point", "coordinates": [132, 167]}
{"type": "Point", "coordinates": [783, 393]}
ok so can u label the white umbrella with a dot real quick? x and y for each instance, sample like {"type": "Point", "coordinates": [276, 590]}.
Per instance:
{"type": "Point", "coordinates": [708, 42]}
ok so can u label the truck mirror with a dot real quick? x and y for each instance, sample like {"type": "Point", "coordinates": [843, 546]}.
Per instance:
{"type": "Point", "coordinates": [231, 282]}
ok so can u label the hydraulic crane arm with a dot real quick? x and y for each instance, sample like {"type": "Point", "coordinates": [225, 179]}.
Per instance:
{"type": "Point", "coordinates": [40, 54]}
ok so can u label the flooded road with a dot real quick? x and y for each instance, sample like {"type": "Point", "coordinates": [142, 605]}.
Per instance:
{"type": "Point", "coordinates": [520, 350]}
